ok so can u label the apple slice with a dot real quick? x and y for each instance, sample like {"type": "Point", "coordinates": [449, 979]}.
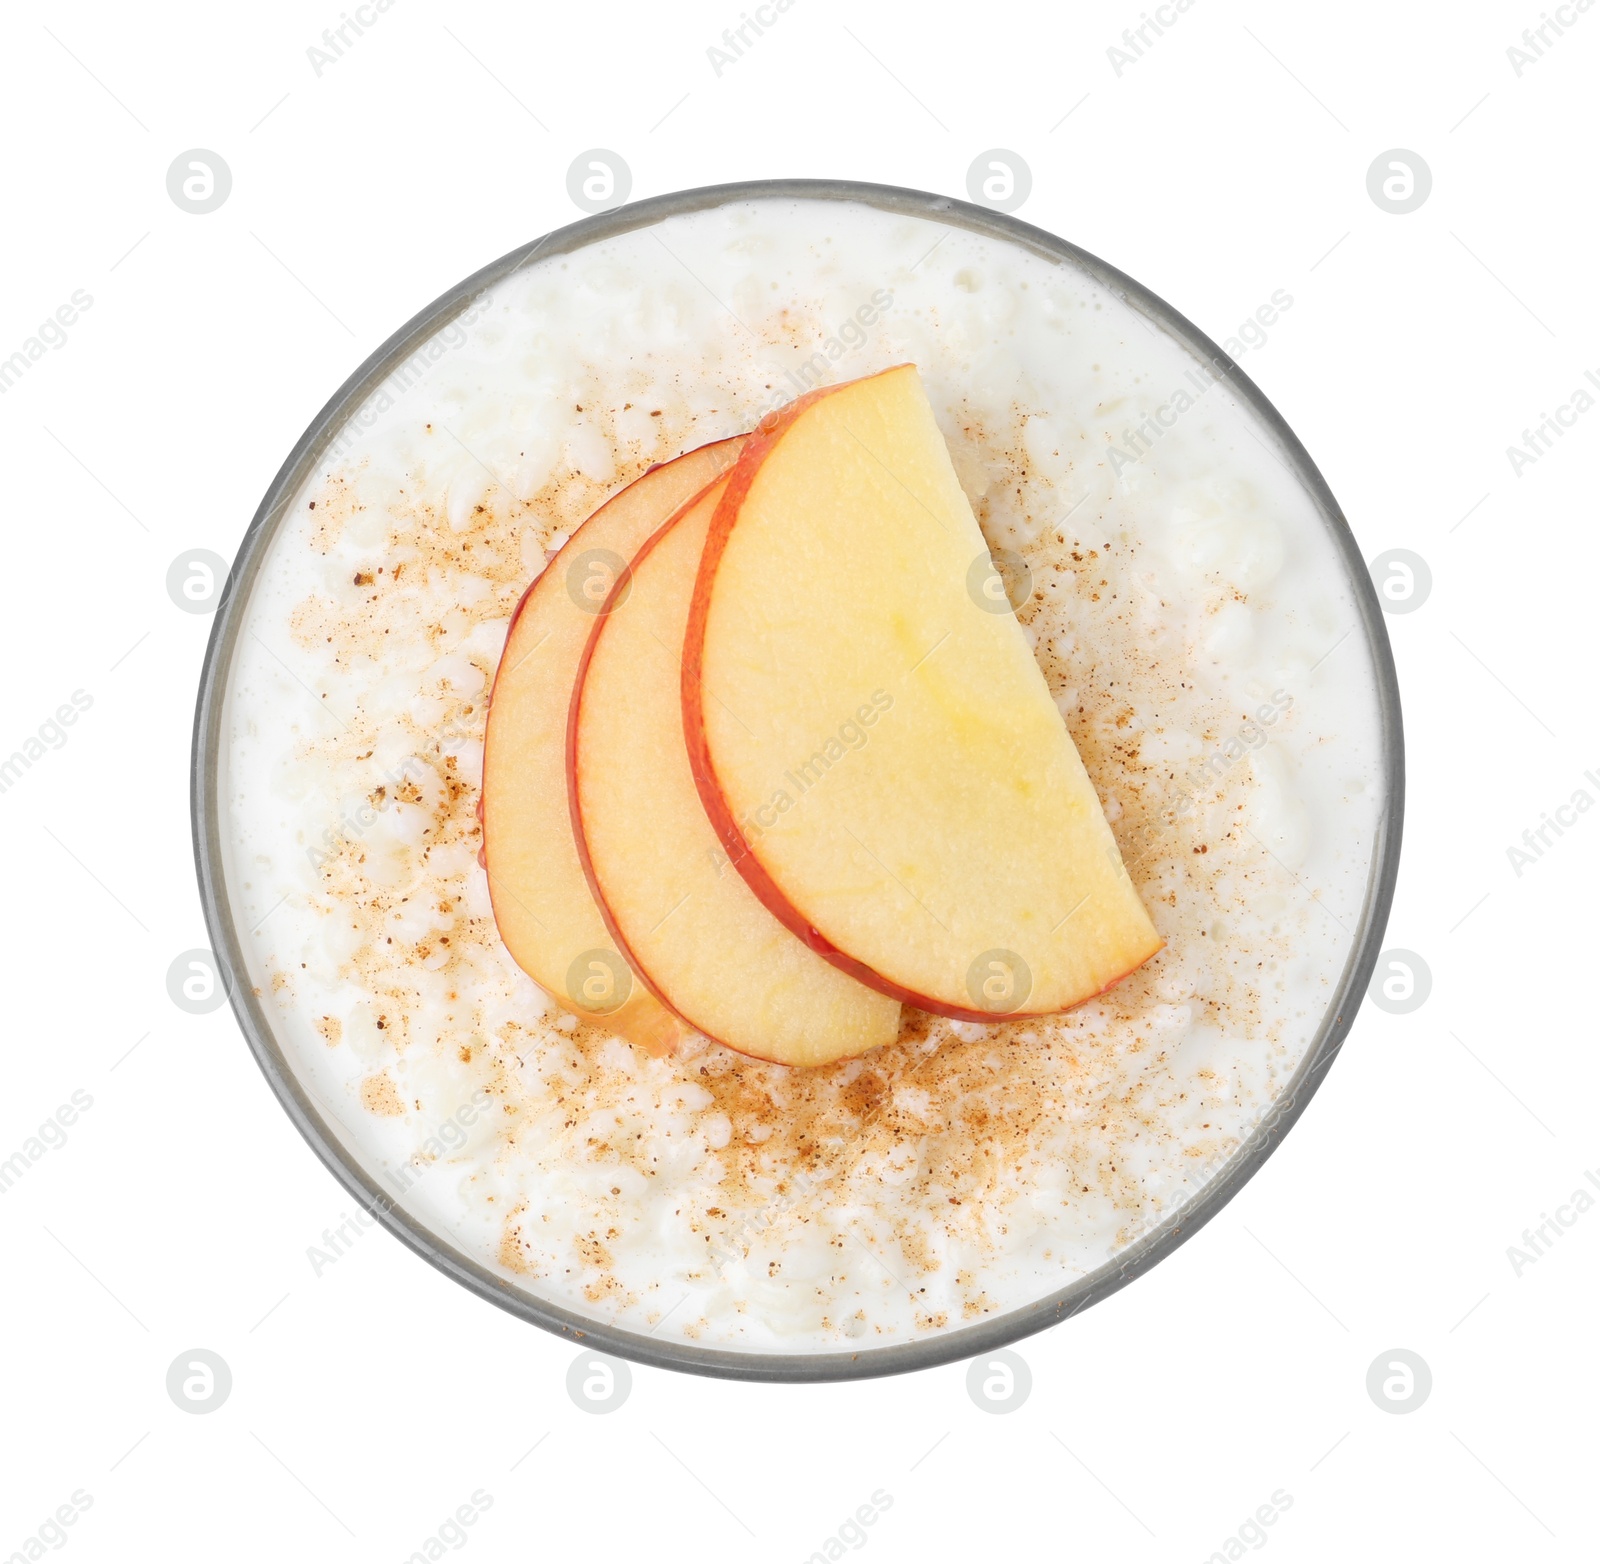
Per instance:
{"type": "Point", "coordinates": [686, 923]}
{"type": "Point", "coordinates": [542, 905]}
{"type": "Point", "coordinates": [874, 743]}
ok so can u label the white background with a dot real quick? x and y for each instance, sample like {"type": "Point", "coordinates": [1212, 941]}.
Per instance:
{"type": "Point", "coordinates": [1228, 162]}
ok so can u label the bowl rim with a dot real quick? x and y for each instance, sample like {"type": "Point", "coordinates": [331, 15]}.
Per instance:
{"type": "Point", "coordinates": [209, 817]}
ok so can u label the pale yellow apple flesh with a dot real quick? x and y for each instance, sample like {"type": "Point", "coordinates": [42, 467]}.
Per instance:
{"type": "Point", "coordinates": [686, 922]}
{"type": "Point", "coordinates": [542, 904]}
{"type": "Point", "coordinates": [879, 753]}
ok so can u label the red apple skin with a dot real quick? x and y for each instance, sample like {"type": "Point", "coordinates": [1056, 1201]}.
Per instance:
{"type": "Point", "coordinates": [739, 478]}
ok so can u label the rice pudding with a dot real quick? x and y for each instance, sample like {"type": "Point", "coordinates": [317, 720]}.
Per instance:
{"type": "Point", "coordinates": [1190, 614]}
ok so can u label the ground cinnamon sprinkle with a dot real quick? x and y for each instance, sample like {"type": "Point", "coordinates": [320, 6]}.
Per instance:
{"type": "Point", "coordinates": [934, 1181]}
{"type": "Point", "coordinates": [967, 1105]}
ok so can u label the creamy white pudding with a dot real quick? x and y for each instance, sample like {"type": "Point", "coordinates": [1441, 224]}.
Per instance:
{"type": "Point", "coordinates": [1191, 616]}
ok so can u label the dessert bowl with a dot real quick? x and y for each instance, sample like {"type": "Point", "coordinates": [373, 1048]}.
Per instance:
{"type": "Point", "coordinates": [1198, 612]}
